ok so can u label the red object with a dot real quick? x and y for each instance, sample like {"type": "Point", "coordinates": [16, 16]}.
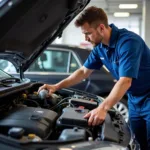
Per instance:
{"type": "Point", "coordinates": [81, 107]}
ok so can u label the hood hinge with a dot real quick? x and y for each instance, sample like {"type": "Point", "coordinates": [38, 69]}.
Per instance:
{"type": "Point", "coordinates": [21, 72]}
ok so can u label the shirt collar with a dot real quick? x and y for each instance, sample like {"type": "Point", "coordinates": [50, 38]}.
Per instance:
{"type": "Point", "coordinates": [114, 36]}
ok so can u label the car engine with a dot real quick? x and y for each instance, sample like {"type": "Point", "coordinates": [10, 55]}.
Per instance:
{"type": "Point", "coordinates": [26, 115]}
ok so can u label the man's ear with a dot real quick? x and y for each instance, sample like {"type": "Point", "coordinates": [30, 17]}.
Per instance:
{"type": "Point", "coordinates": [101, 28]}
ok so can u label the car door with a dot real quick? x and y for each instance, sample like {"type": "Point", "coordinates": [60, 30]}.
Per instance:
{"type": "Point", "coordinates": [54, 65]}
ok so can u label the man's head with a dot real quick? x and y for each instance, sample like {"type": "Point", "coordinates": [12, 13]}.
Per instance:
{"type": "Point", "coordinates": [93, 22]}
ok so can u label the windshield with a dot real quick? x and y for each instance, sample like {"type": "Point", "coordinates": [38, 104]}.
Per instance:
{"type": "Point", "coordinates": [7, 66]}
{"type": "Point", "coordinates": [4, 75]}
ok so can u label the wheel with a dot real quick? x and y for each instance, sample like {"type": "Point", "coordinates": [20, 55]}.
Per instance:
{"type": "Point", "coordinates": [122, 107]}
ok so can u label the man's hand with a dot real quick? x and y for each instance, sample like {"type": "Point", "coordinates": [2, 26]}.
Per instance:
{"type": "Point", "coordinates": [96, 116]}
{"type": "Point", "coordinates": [51, 88]}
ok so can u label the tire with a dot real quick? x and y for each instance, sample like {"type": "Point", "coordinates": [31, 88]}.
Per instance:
{"type": "Point", "coordinates": [122, 107]}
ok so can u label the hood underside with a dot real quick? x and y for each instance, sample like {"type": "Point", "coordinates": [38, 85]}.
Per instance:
{"type": "Point", "coordinates": [27, 27]}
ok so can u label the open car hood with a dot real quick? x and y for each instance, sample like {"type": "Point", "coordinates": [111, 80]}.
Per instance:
{"type": "Point", "coordinates": [28, 27]}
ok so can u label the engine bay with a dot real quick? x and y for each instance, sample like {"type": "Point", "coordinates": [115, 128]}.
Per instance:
{"type": "Point", "coordinates": [29, 116]}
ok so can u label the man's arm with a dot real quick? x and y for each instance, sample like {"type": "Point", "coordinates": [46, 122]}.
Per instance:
{"type": "Point", "coordinates": [117, 93]}
{"type": "Point", "coordinates": [73, 79]}
{"type": "Point", "coordinates": [98, 115]}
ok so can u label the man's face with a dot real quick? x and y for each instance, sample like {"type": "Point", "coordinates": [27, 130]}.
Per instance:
{"type": "Point", "coordinates": [92, 34]}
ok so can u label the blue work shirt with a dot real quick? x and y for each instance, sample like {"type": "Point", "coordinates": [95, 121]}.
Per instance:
{"type": "Point", "coordinates": [127, 55]}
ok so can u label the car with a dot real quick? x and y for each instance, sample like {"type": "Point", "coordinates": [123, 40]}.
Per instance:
{"type": "Point", "coordinates": [31, 120]}
{"type": "Point", "coordinates": [57, 62]}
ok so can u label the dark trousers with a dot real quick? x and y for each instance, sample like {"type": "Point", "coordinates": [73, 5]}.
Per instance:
{"type": "Point", "coordinates": [139, 116]}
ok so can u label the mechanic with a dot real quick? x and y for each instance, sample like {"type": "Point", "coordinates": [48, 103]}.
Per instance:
{"type": "Point", "coordinates": [127, 57]}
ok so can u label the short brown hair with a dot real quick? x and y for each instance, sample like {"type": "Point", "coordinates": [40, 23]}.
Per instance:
{"type": "Point", "coordinates": [93, 16]}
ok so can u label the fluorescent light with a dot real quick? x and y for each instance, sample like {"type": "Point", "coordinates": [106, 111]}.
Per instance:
{"type": "Point", "coordinates": [128, 6]}
{"type": "Point", "coordinates": [121, 14]}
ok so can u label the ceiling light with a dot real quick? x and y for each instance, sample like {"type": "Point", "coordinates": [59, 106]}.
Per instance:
{"type": "Point", "coordinates": [121, 14]}
{"type": "Point", "coordinates": [128, 6]}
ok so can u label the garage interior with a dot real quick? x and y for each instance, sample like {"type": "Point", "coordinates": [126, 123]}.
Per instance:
{"type": "Point", "coordinates": [30, 112]}
{"type": "Point", "coordinates": [137, 20]}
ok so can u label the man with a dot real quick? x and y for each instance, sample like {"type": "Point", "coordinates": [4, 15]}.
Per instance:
{"type": "Point", "coordinates": [127, 57]}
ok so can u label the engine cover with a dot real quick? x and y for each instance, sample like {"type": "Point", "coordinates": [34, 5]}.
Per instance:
{"type": "Point", "coordinates": [33, 120]}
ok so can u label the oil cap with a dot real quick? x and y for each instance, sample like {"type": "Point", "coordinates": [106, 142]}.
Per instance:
{"type": "Point", "coordinates": [31, 136]}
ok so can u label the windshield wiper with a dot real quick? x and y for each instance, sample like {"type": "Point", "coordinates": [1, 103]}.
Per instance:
{"type": "Point", "coordinates": [10, 79]}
